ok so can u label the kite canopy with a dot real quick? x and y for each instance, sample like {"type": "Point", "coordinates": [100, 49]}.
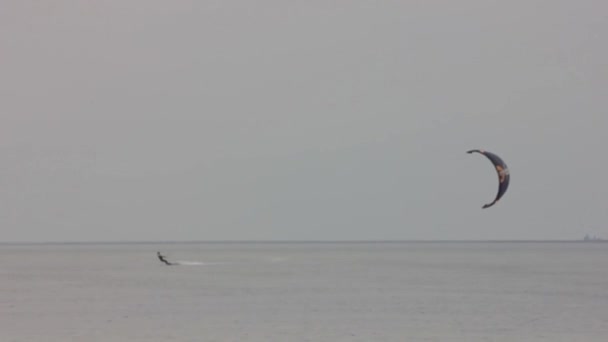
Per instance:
{"type": "Point", "coordinates": [503, 174]}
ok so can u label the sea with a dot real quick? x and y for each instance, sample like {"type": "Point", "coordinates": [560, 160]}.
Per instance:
{"type": "Point", "coordinates": [305, 291]}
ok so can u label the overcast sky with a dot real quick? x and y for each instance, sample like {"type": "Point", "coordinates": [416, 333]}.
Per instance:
{"type": "Point", "coordinates": [301, 120]}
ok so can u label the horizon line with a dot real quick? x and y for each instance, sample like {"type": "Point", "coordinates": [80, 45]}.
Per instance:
{"type": "Point", "coordinates": [185, 242]}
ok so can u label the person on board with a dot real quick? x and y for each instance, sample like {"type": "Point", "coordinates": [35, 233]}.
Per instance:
{"type": "Point", "coordinates": [162, 258]}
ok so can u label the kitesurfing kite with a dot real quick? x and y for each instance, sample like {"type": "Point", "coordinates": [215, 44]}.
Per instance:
{"type": "Point", "coordinates": [501, 170]}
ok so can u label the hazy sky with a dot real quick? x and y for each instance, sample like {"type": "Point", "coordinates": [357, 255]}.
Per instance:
{"type": "Point", "coordinates": [290, 120]}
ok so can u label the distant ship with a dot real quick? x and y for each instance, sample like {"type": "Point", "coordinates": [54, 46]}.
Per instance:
{"type": "Point", "coordinates": [588, 238]}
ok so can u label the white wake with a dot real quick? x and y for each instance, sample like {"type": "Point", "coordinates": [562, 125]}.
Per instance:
{"type": "Point", "coordinates": [195, 263]}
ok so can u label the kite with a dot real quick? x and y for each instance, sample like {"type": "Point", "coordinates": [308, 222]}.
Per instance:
{"type": "Point", "coordinates": [503, 174]}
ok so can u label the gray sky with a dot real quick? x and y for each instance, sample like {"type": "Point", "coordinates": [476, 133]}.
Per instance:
{"type": "Point", "coordinates": [289, 120]}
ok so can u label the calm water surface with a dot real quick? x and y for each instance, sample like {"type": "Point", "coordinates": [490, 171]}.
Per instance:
{"type": "Point", "coordinates": [305, 292]}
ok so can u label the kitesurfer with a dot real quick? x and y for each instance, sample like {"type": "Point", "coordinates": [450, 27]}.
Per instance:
{"type": "Point", "coordinates": [162, 258]}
